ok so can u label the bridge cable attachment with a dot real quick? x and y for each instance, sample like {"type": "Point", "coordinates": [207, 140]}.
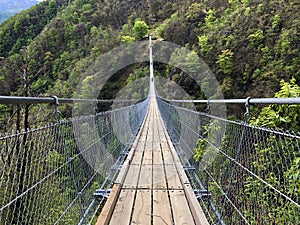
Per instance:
{"type": "Point", "coordinates": [208, 106]}
{"type": "Point", "coordinates": [96, 106]}
{"type": "Point", "coordinates": [247, 115]}
{"type": "Point", "coordinates": [57, 113]}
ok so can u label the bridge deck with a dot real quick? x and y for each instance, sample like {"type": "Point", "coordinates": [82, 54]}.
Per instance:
{"type": "Point", "coordinates": [152, 187]}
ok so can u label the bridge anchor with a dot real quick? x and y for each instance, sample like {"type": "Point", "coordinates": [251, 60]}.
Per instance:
{"type": "Point", "coordinates": [189, 168]}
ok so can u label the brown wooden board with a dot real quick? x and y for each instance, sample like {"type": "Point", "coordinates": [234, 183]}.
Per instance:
{"type": "Point", "coordinates": [157, 156]}
{"type": "Point", "coordinates": [140, 145]}
{"type": "Point", "coordinates": [132, 177]}
{"type": "Point", "coordinates": [108, 208]}
{"type": "Point", "coordinates": [159, 178]}
{"type": "Point", "coordinates": [172, 177]}
{"type": "Point", "coordinates": [143, 136]}
{"type": "Point", "coordinates": [147, 158]}
{"type": "Point", "coordinates": [162, 214]}
{"type": "Point", "coordinates": [167, 155]}
{"type": "Point", "coordinates": [148, 145]}
{"type": "Point", "coordinates": [122, 212]}
{"type": "Point", "coordinates": [145, 179]}
{"type": "Point", "coordinates": [180, 208]}
{"type": "Point", "coordinates": [196, 210]}
{"type": "Point", "coordinates": [142, 208]}
{"type": "Point", "coordinates": [137, 158]}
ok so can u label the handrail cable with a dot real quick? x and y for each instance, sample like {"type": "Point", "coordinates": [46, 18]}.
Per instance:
{"type": "Point", "coordinates": [51, 100]}
{"type": "Point", "coordinates": [240, 101]}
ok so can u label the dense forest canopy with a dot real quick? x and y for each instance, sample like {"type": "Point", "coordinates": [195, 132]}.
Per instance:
{"type": "Point", "coordinates": [250, 45]}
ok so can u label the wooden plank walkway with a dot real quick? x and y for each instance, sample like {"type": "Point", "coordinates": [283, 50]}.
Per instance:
{"type": "Point", "coordinates": [152, 187]}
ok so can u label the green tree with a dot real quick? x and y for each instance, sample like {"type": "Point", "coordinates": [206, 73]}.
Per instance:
{"type": "Point", "coordinates": [127, 39]}
{"type": "Point", "coordinates": [140, 29]}
{"type": "Point", "coordinates": [282, 116]}
{"type": "Point", "coordinates": [195, 13]}
{"type": "Point", "coordinates": [205, 47]}
{"type": "Point", "coordinates": [225, 61]}
{"type": "Point", "coordinates": [256, 38]}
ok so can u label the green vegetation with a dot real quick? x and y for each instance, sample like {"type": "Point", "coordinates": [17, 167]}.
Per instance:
{"type": "Point", "coordinates": [140, 29]}
{"type": "Point", "coordinates": [254, 44]}
{"type": "Point", "coordinates": [252, 47]}
{"type": "Point", "coordinates": [272, 157]}
{"type": "Point", "coordinates": [282, 116]}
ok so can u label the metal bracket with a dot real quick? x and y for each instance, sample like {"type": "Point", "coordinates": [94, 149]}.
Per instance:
{"type": "Point", "coordinates": [124, 153]}
{"type": "Point", "coordinates": [247, 115]}
{"type": "Point", "coordinates": [116, 167]}
{"type": "Point", "coordinates": [96, 106]}
{"type": "Point", "coordinates": [208, 106]}
{"type": "Point", "coordinates": [102, 193]}
{"type": "Point", "coordinates": [202, 193]}
{"type": "Point", "coordinates": [189, 168]}
{"type": "Point", "coordinates": [57, 113]}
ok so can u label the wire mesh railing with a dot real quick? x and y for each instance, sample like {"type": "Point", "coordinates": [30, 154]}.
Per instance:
{"type": "Point", "coordinates": [50, 175]}
{"type": "Point", "coordinates": [240, 173]}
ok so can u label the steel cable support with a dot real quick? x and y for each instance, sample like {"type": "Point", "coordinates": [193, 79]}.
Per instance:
{"type": "Point", "coordinates": [38, 185]}
{"type": "Point", "coordinates": [51, 100]}
{"type": "Point", "coordinates": [289, 101]}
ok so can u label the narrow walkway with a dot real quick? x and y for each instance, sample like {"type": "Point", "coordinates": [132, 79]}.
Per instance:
{"type": "Point", "coordinates": [152, 187]}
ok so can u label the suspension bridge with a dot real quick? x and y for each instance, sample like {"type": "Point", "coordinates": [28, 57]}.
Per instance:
{"type": "Point", "coordinates": [136, 165]}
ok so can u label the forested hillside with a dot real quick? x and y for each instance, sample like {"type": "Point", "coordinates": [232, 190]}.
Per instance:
{"type": "Point", "coordinates": [250, 45]}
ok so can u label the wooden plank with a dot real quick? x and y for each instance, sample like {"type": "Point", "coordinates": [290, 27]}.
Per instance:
{"type": "Point", "coordinates": [147, 158]}
{"type": "Point", "coordinates": [148, 145]}
{"type": "Point", "coordinates": [142, 208]}
{"type": "Point", "coordinates": [145, 179]}
{"type": "Point", "coordinates": [137, 158]}
{"type": "Point", "coordinates": [132, 177]}
{"type": "Point", "coordinates": [161, 208]}
{"type": "Point", "coordinates": [196, 210]}
{"type": "Point", "coordinates": [122, 174]}
{"type": "Point", "coordinates": [156, 136]}
{"type": "Point", "coordinates": [140, 146]}
{"type": "Point", "coordinates": [167, 155]}
{"type": "Point", "coordinates": [160, 128]}
{"type": "Point", "coordinates": [156, 144]}
{"type": "Point", "coordinates": [157, 156]}
{"type": "Point", "coordinates": [183, 177]}
{"type": "Point", "coordinates": [123, 208]}
{"type": "Point", "coordinates": [150, 134]}
{"type": "Point", "coordinates": [108, 208]}
{"type": "Point", "coordinates": [144, 135]}
{"type": "Point", "coordinates": [172, 177]}
{"type": "Point", "coordinates": [180, 208]}
{"type": "Point", "coordinates": [159, 178]}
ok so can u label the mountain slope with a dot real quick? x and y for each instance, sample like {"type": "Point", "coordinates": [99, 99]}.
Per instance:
{"type": "Point", "coordinates": [250, 46]}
